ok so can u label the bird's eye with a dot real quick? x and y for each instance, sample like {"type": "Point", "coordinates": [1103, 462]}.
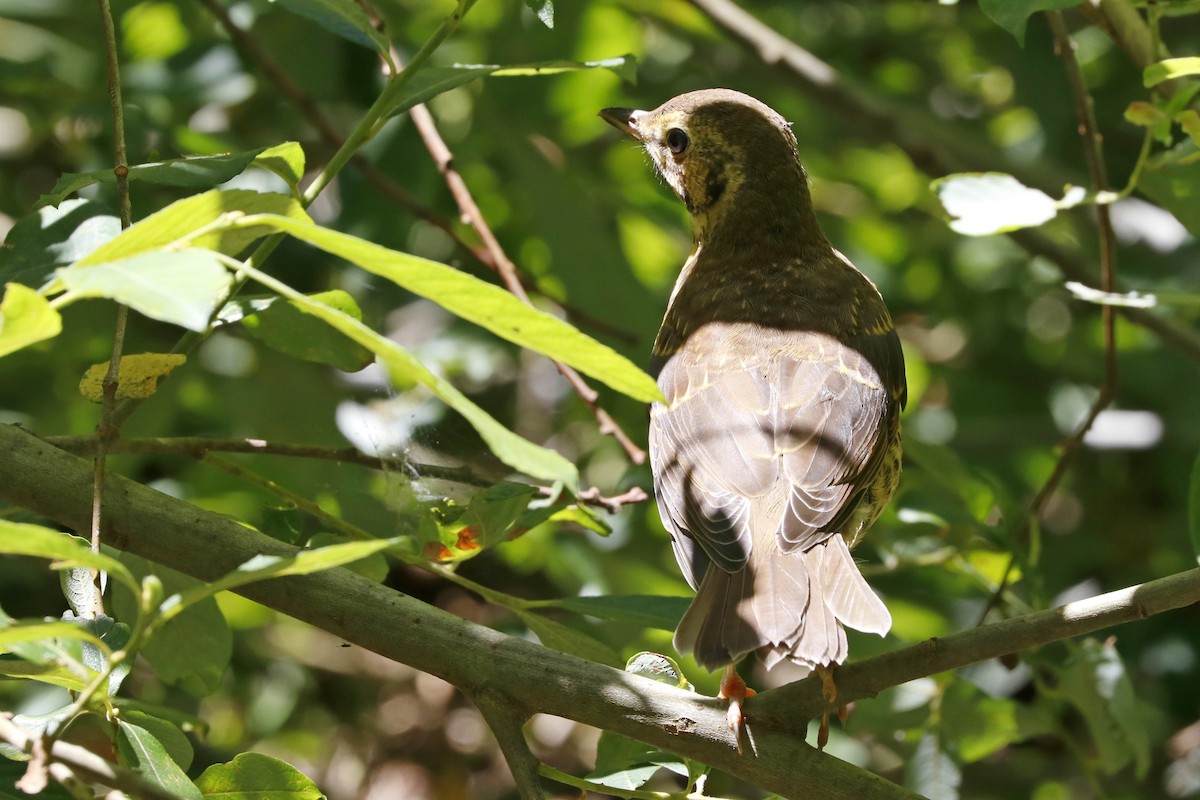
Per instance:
{"type": "Point", "coordinates": [677, 141]}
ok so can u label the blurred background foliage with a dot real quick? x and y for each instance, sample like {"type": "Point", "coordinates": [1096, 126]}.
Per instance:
{"type": "Point", "coordinates": [1003, 363]}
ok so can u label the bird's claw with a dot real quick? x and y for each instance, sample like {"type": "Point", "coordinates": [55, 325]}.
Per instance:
{"type": "Point", "coordinates": [735, 690]}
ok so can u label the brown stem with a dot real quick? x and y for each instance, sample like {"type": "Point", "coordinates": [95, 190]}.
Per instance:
{"type": "Point", "coordinates": [444, 160]}
{"type": "Point", "coordinates": [198, 447]}
{"type": "Point", "coordinates": [1093, 151]}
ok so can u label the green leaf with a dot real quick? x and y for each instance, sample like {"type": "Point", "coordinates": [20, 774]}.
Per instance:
{"type": "Point", "coordinates": [52, 237]}
{"type": "Point", "coordinates": [543, 10]}
{"type": "Point", "coordinates": [1194, 508]}
{"type": "Point", "coordinates": [182, 287]}
{"type": "Point", "coordinates": [252, 776]}
{"type": "Point", "coordinates": [432, 81]}
{"type": "Point", "coordinates": [262, 567]}
{"type": "Point", "coordinates": [482, 303]}
{"type": "Point", "coordinates": [193, 649]}
{"type": "Point", "coordinates": [404, 369]}
{"type": "Point", "coordinates": [173, 740]}
{"type": "Point", "coordinates": [1095, 681]}
{"type": "Point", "coordinates": [286, 160]}
{"type": "Point", "coordinates": [146, 754]}
{"type": "Point", "coordinates": [67, 551]}
{"type": "Point", "coordinates": [974, 725]}
{"type": "Point", "coordinates": [25, 318]}
{"type": "Point", "coordinates": [17, 632]}
{"type": "Point", "coordinates": [1012, 15]}
{"type": "Point", "coordinates": [374, 567]}
{"type": "Point", "coordinates": [646, 611]}
{"type": "Point", "coordinates": [1169, 69]}
{"type": "Point", "coordinates": [562, 637]}
{"type": "Point", "coordinates": [623, 763]}
{"type": "Point", "coordinates": [492, 512]}
{"type": "Point", "coordinates": [178, 224]}
{"type": "Point", "coordinates": [931, 773]}
{"type": "Point", "coordinates": [991, 202]}
{"type": "Point", "coordinates": [49, 674]}
{"type": "Point", "coordinates": [291, 330]}
{"type": "Point", "coordinates": [342, 18]}
{"type": "Point", "coordinates": [114, 636]}
{"type": "Point", "coordinates": [198, 172]}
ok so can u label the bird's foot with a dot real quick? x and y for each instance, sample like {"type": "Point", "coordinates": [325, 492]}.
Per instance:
{"type": "Point", "coordinates": [829, 692]}
{"type": "Point", "coordinates": [735, 690]}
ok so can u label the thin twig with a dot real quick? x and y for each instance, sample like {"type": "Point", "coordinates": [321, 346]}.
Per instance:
{"type": "Point", "coordinates": [198, 446]}
{"type": "Point", "coordinates": [84, 762]}
{"type": "Point", "coordinates": [444, 160]}
{"type": "Point", "coordinates": [1093, 151]}
{"type": "Point", "coordinates": [107, 430]}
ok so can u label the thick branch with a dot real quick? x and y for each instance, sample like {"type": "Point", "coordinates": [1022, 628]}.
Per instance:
{"type": "Point", "coordinates": [478, 660]}
{"type": "Point", "coordinates": [484, 662]}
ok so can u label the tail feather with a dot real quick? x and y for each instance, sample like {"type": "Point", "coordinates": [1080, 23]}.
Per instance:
{"type": "Point", "coordinates": [789, 606]}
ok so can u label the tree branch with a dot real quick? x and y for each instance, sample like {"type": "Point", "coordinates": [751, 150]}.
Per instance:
{"type": "Point", "coordinates": [535, 679]}
{"type": "Point", "coordinates": [507, 723]}
{"type": "Point", "coordinates": [198, 447]}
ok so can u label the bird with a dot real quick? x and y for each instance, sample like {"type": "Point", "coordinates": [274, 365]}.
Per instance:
{"type": "Point", "coordinates": [777, 443]}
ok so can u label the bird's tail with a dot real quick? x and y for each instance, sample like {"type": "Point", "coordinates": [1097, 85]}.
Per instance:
{"type": "Point", "coordinates": [788, 606]}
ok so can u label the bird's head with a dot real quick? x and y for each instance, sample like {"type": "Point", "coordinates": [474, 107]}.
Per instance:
{"type": "Point", "coordinates": [720, 150]}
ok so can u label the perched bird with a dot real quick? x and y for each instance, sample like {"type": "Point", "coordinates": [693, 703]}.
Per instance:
{"type": "Point", "coordinates": [778, 443]}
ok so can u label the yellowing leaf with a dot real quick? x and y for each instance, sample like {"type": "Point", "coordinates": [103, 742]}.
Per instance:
{"type": "Point", "coordinates": [138, 376]}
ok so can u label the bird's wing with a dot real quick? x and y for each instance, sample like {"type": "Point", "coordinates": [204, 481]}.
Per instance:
{"type": "Point", "coordinates": [763, 434]}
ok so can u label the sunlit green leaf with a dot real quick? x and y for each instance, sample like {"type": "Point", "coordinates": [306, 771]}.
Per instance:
{"type": "Point", "coordinates": [1170, 69]}
{"type": "Point", "coordinates": [182, 287]}
{"type": "Point", "coordinates": [432, 81]}
{"type": "Point", "coordinates": [25, 318]}
{"type": "Point", "coordinates": [981, 204]}
{"type": "Point", "coordinates": [405, 370]}
{"type": "Point", "coordinates": [482, 303]}
{"type": "Point", "coordinates": [253, 776]}
{"type": "Point", "coordinates": [196, 172]}
{"type": "Point", "coordinates": [67, 551]}
{"type": "Point", "coordinates": [185, 221]}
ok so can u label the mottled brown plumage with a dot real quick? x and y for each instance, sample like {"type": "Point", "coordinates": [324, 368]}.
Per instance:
{"type": "Point", "coordinates": [779, 441]}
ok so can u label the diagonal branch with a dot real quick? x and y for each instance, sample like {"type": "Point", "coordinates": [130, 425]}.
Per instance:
{"type": "Point", "coordinates": [535, 679]}
{"type": "Point", "coordinates": [507, 270]}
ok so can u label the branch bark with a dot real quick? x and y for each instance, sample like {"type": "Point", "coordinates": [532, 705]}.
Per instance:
{"type": "Point", "coordinates": [532, 679]}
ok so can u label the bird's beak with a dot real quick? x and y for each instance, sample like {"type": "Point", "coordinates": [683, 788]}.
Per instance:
{"type": "Point", "coordinates": [623, 119]}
